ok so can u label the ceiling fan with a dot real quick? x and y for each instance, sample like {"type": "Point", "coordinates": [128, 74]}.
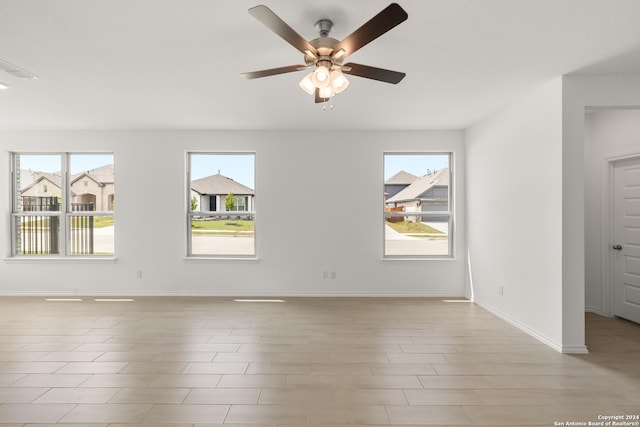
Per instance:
{"type": "Point", "coordinates": [326, 55]}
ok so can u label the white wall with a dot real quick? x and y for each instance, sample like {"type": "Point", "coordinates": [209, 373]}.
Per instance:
{"type": "Point", "coordinates": [610, 134]}
{"type": "Point", "coordinates": [333, 176]}
{"type": "Point", "coordinates": [514, 205]}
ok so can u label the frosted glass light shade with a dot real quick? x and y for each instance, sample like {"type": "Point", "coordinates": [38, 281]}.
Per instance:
{"type": "Point", "coordinates": [307, 84]}
{"type": "Point", "coordinates": [326, 92]}
{"type": "Point", "coordinates": [338, 81]}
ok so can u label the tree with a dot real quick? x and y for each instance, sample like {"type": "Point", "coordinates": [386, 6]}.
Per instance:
{"type": "Point", "coordinates": [230, 202]}
{"type": "Point", "coordinates": [230, 205]}
{"type": "Point", "coordinates": [194, 203]}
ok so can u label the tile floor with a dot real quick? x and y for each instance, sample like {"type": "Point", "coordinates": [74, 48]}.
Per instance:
{"type": "Point", "coordinates": [315, 361]}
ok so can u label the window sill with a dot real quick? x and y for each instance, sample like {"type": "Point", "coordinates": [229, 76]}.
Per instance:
{"type": "Point", "coordinates": [407, 258]}
{"type": "Point", "coordinates": [60, 260]}
{"type": "Point", "coordinates": [212, 259]}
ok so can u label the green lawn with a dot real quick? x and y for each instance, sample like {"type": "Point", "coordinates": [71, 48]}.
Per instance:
{"type": "Point", "coordinates": [98, 222]}
{"type": "Point", "coordinates": [102, 221]}
{"type": "Point", "coordinates": [405, 227]}
{"type": "Point", "coordinates": [222, 226]}
{"type": "Point", "coordinates": [42, 223]}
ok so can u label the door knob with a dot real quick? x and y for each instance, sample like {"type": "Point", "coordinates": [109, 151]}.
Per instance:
{"type": "Point", "coordinates": [617, 247]}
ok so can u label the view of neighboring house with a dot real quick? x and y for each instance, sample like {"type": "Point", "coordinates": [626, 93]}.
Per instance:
{"type": "Point", "coordinates": [211, 192]}
{"type": "Point", "coordinates": [397, 183]}
{"type": "Point", "coordinates": [39, 191]}
{"type": "Point", "coordinates": [428, 193]}
{"type": "Point", "coordinates": [91, 190]}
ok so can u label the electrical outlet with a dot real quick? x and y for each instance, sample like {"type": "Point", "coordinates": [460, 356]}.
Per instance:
{"type": "Point", "coordinates": [325, 274]}
{"type": "Point", "coordinates": [333, 275]}
{"type": "Point", "coordinates": [500, 290]}
{"type": "Point", "coordinates": [139, 274]}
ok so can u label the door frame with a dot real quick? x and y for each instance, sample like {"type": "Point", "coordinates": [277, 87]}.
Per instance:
{"type": "Point", "coordinates": [608, 233]}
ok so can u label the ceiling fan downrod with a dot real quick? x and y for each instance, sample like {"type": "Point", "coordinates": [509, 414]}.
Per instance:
{"type": "Point", "coordinates": [323, 27]}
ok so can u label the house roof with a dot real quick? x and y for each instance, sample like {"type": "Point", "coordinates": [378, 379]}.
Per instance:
{"type": "Point", "coordinates": [440, 178]}
{"type": "Point", "coordinates": [219, 184]}
{"type": "Point", "coordinates": [402, 178]}
{"type": "Point", "coordinates": [30, 178]}
{"type": "Point", "coordinates": [102, 175]}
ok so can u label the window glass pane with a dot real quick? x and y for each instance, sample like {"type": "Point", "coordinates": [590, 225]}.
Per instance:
{"type": "Point", "coordinates": [37, 234]}
{"type": "Point", "coordinates": [417, 207]}
{"type": "Point", "coordinates": [91, 189]}
{"type": "Point", "coordinates": [221, 192]}
{"type": "Point", "coordinates": [91, 235]}
{"type": "Point", "coordinates": [91, 183]}
{"type": "Point", "coordinates": [419, 182]}
{"type": "Point", "coordinates": [412, 235]}
{"type": "Point", "coordinates": [223, 235]}
{"type": "Point", "coordinates": [38, 181]}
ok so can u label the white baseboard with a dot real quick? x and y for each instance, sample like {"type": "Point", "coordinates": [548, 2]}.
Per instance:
{"type": "Point", "coordinates": [532, 332]}
{"type": "Point", "coordinates": [575, 349]}
{"type": "Point", "coordinates": [595, 310]}
{"type": "Point", "coordinates": [229, 294]}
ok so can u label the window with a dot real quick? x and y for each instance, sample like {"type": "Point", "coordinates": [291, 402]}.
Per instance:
{"type": "Point", "coordinates": [53, 214]}
{"type": "Point", "coordinates": [417, 207]}
{"type": "Point", "coordinates": [241, 203]}
{"type": "Point", "coordinates": [221, 204]}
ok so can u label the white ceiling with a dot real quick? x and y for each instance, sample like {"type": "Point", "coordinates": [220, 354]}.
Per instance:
{"type": "Point", "coordinates": [176, 64]}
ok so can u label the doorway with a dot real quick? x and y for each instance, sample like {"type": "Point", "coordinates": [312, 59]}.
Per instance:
{"type": "Point", "coordinates": [612, 136]}
{"type": "Point", "coordinates": [624, 256]}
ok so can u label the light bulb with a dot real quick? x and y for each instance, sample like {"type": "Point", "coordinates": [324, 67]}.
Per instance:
{"type": "Point", "coordinates": [307, 84]}
{"type": "Point", "coordinates": [338, 81]}
{"type": "Point", "coordinates": [321, 77]}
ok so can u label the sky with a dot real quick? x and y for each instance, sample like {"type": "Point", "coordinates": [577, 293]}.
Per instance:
{"type": "Point", "coordinates": [52, 162]}
{"type": "Point", "coordinates": [239, 167]}
{"type": "Point", "coordinates": [416, 164]}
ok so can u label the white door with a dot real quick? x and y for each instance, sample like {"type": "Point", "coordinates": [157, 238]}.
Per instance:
{"type": "Point", "coordinates": [626, 243]}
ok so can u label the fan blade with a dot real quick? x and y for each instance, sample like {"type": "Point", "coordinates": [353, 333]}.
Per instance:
{"type": "Point", "coordinates": [388, 18]}
{"type": "Point", "coordinates": [273, 71]}
{"type": "Point", "coordinates": [274, 23]}
{"type": "Point", "coordinates": [318, 99]}
{"type": "Point", "coordinates": [373, 73]}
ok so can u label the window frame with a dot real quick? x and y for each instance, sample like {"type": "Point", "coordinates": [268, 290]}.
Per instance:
{"type": "Point", "coordinates": [64, 215]}
{"type": "Point", "coordinates": [191, 214]}
{"type": "Point", "coordinates": [449, 213]}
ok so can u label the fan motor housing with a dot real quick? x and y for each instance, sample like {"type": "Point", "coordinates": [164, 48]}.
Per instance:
{"type": "Point", "coordinates": [324, 46]}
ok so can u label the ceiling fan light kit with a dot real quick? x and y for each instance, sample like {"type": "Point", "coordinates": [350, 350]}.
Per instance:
{"type": "Point", "coordinates": [307, 84]}
{"type": "Point", "coordinates": [326, 55]}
